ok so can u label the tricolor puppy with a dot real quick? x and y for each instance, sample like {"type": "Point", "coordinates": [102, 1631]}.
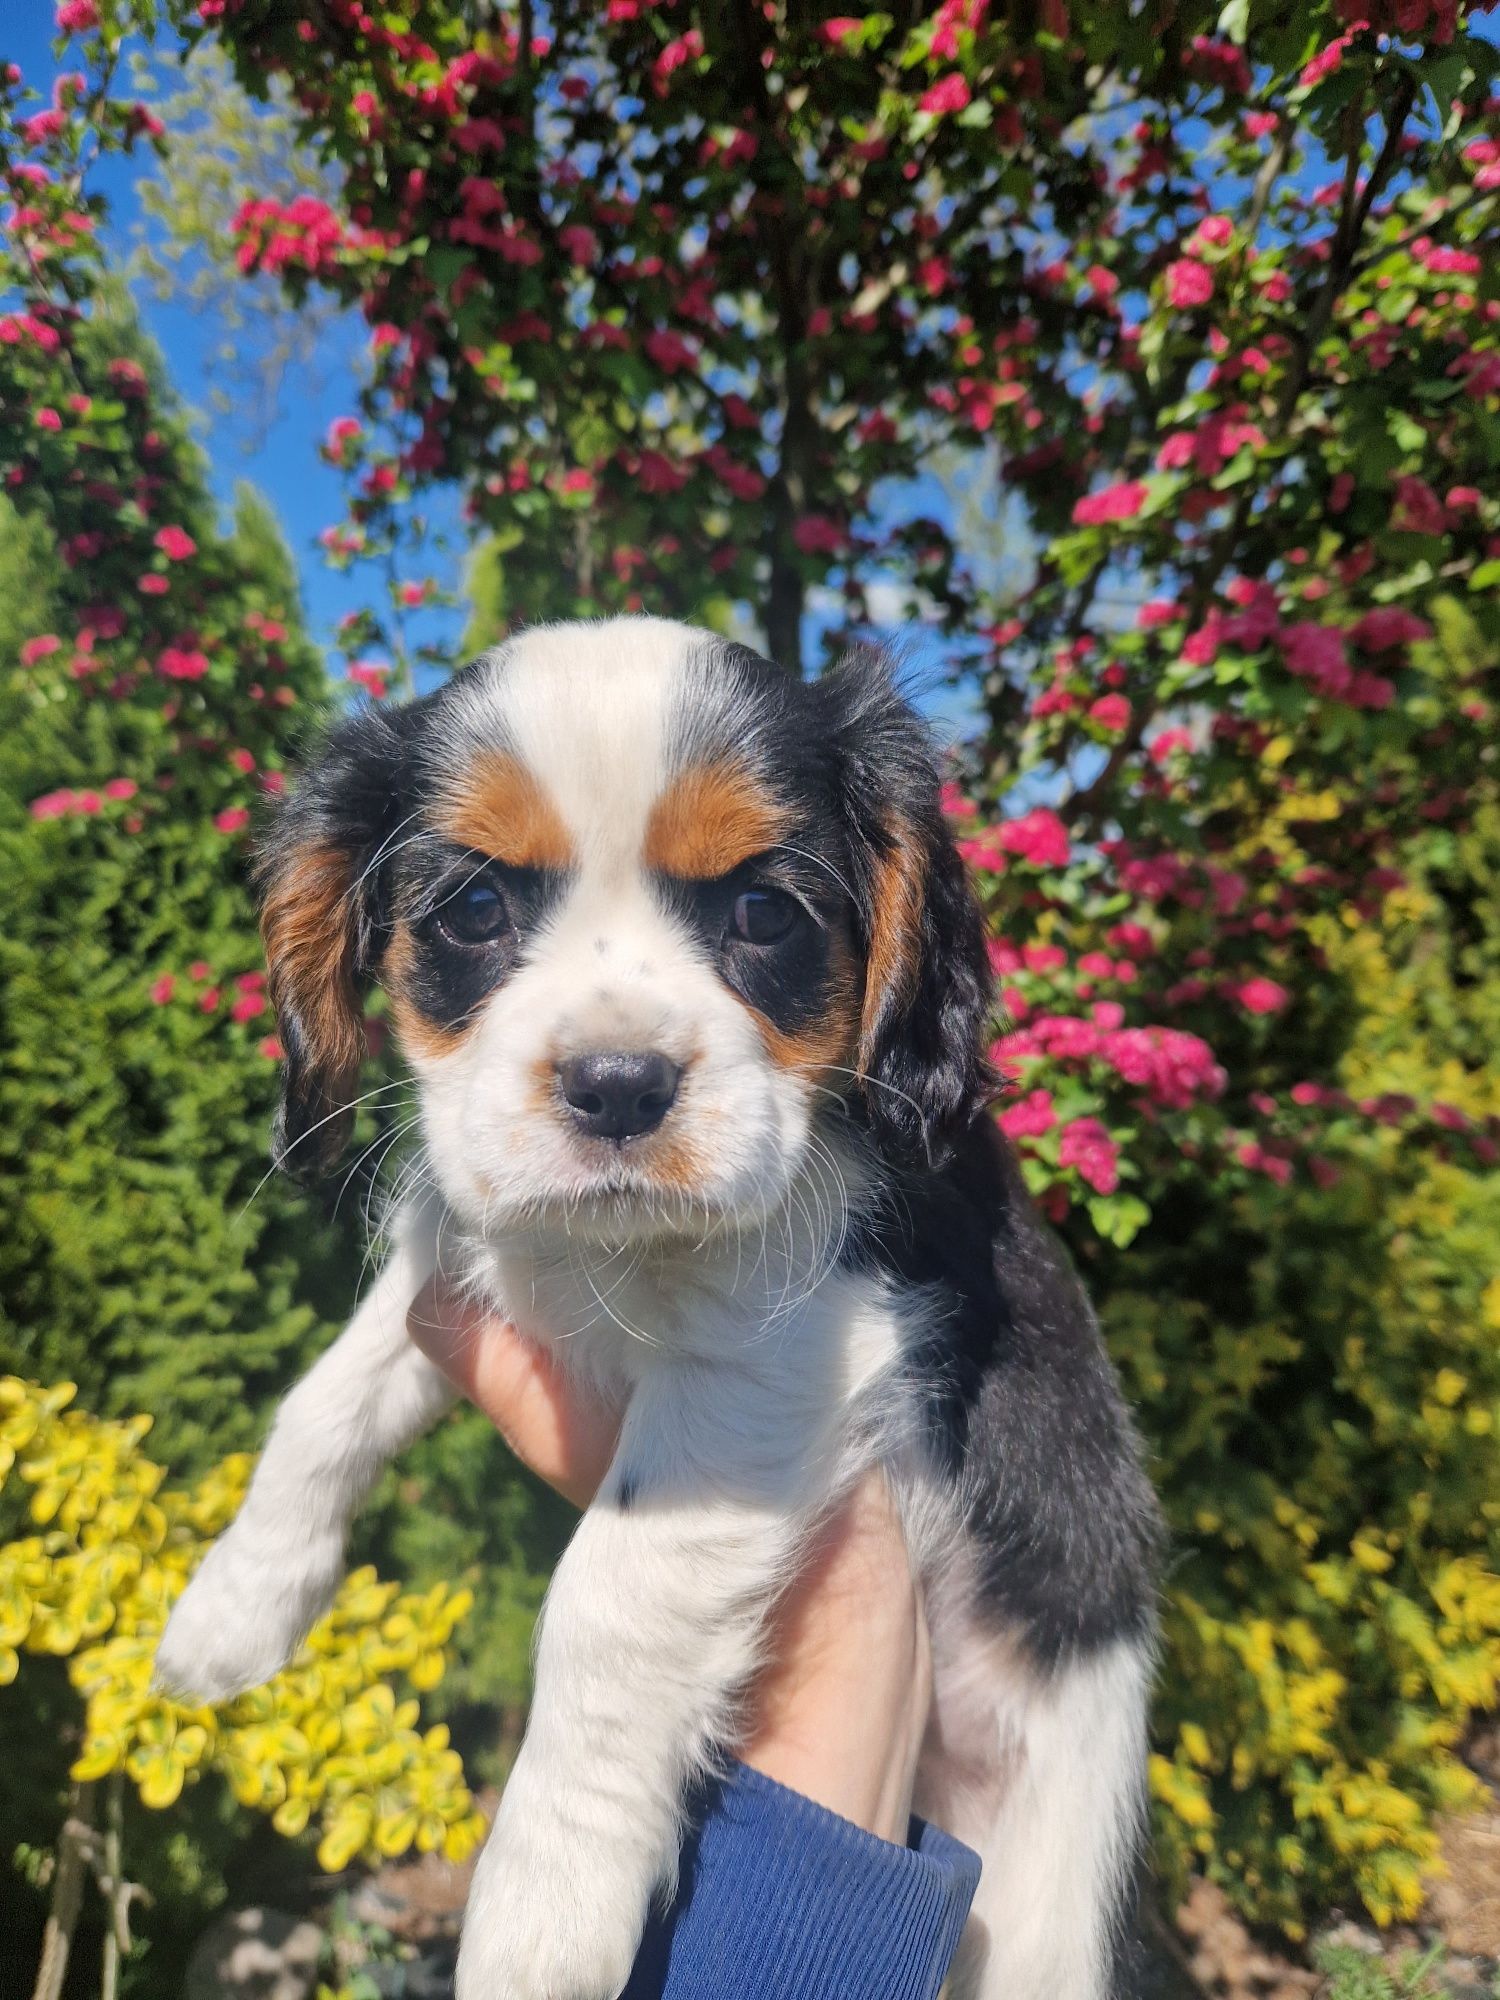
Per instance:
{"type": "Point", "coordinates": [695, 993]}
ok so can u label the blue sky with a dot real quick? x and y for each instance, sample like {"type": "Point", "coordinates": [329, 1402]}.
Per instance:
{"type": "Point", "coordinates": [282, 458]}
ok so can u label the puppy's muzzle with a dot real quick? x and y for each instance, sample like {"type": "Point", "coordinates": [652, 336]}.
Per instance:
{"type": "Point", "coordinates": [617, 1093]}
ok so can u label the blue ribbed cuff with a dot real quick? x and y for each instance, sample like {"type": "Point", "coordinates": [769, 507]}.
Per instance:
{"type": "Point", "coordinates": [779, 1899]}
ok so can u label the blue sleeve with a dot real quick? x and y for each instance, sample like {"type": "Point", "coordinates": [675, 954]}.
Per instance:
{"type": "Point", "coordinates": [778, 1899]}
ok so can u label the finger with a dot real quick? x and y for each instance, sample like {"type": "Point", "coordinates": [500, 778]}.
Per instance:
{"type": "Point", "coordinates": [563, 1432]}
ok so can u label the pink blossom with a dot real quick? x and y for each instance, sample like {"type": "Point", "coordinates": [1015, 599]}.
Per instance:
{"type": "Point", "coordinates": [839, 28]}
{"type": "Point", "coordinates": [1044, 957]}
{"type": "Point", "coordinates": [371, 675]}
{"type": "Point", "coordinates": [1418, 509]}
{"type": "Point", "coordinates": [1167, 744]}
{"type": "Point", "coordinates": [233, 819]}
{"type": "Point", "coordinates": [818, 534]}
{"type": "Point", "coordinates": [152, 585]}
{"type": "Point", "coordinates": [949, 93]}
{"type": "Point", "coordinates": [40, 648]}
{"type": "Point", "coordinates": [163, 988]}
{"type": "Point", "coordinates": [1038, 837]}
{"type": "Point", "coordinates": [1261, 995]}
{"type": "Point", "coordinates": [580, 245]}
{"type": "Point", "coordinates": [182, 663]}
{"type": "Point", "coordinates": [1121, 502]}
{"type": "Point", "coordinates": [1216, 62]}
{"type": "Point", "coordinates": [1029, 1117]}
{"type": "Point", "coordinates": [47, 419]}
{"type": "Point", "coordinates": [1389, 626]}
{"type": "Point", "coordinates": [1189, 283]}
{"type": "Point", "coordinates": [76, 17]}
{"type": "Point", "coordinates": [121, 788]}
{"type": "Point", "coordinates": [670, 351]}
{"type": "Point", "coordinates": [1159, 611]}
{"type": "Point", "coordinates": [1328, 60]}
{"type": "Point", "coordinates": [175, 544]}
{"type": "Point", "coordinates": [1260, 1161]}
{"type": "Point", "coordinates": [1111, 712]}
{"type": "Point", "coordinates": [1171, 1066]}
{"type": "Point", "coordinates": [1316, 653]}
{"type": "Point", "coordinates": [247, 1007]}
{"type": "Point", "coordinates": [1087, 1147]}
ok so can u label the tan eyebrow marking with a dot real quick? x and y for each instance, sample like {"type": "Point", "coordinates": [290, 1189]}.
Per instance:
{"type": "Point", "coordinates": [710, 819]}
{"type": "Point", "coordinates": [497, 807]}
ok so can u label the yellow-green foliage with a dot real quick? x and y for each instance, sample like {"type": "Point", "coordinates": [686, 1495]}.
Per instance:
{"type": "Point", "coordinates": [1324, 1422]}
{"type": "Point", "coordinates": [329, 1743]}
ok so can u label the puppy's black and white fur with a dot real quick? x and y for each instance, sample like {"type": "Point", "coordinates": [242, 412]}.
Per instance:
{"type": "Point", "coordinates": [695, 992]}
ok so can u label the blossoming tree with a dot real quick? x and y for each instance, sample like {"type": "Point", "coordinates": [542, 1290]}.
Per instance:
{"type": "Point", "coordinates": [687, 302]}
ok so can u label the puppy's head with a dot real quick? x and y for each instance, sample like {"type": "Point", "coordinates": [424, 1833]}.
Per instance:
{"type": "Point", "coordinates": [648, 912]}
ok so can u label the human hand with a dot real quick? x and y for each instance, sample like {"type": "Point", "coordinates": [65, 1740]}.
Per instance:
{"type": "Point", "coordinates": [839, 1710]}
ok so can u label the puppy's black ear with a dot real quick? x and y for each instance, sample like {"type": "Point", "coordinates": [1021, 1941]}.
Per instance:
{"type": "Point", "coordinates": [929, 989]}
{"type": "Point", "coordinates": [320, 876]}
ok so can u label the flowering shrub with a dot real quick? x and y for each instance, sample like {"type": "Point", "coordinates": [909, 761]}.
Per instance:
{"type": "Point", "coordinates": [105, 1550]}
{"type": "Point", "coordinates": [688, 302]}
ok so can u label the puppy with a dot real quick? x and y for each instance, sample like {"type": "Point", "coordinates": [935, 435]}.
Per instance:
{"type": "Point", "coordinates": [695, 993]}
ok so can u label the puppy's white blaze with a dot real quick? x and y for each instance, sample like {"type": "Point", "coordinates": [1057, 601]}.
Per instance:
{"type": "Point", "coordinates": [588, 708]}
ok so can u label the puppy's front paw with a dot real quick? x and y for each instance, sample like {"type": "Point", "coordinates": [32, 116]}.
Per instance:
{"type": "Point", "coordinates": [551, 1917]}
{"type": "Point", "coordinates": [243, 1616]}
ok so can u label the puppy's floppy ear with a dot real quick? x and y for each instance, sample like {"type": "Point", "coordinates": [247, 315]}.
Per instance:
{"type": "Point", "coordinates": [928, 985]}
{"type": "Point", "coordinates": [322, 918]}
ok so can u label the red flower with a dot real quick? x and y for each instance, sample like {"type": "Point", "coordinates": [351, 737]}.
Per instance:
{"type": "Point", "coordinates": [1038, 837]}
{"type": "Point", "coordinates": [1087, 1146]}
{"type": "Point", "coordinates": [949, 93]}
{"type": "Point", "coordinates": [40, 648]}
{"type": "Point", "coordinates": [1189, 283]}
{"type": "Point", "coordinates": [175, 544]}
{"type": "Point", "coordinates": [181, 663]}
{"type": "Point", "coordinates": [1111, 712]}
{"type": "Point", "coordinates": [372, 675]}
{"type": "Point", "coordinates": [47, 419]}
{"type": "Point", "coordinates": [818, 534]}
{"type": "Point", "coordinates": [1261, 996]}
{"type": "Point", "coordinates": [1387, 627]}
{"type": "Point", "coordinates": [233, 819]}
{"type": "Point", "coordinates": [1030, 1116]}
{"type": "Point", "coordinates": [1121, 502]}
{"type": "Point", "coordinates": [163, 989]}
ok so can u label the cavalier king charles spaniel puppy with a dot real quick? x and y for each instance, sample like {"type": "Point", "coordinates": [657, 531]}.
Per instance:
{"type": "Point", "coordinates": [695, 993]}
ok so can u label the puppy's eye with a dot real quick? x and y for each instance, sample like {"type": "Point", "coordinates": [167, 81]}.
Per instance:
{"type": "Point", "coordinates": [763, 916]}
{"type": "Point", "coordinates": [476, 914]}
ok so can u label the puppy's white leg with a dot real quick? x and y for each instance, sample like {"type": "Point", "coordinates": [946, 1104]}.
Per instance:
{"type": "Point", "coordinates": [1043, 1774]}
{"type": "Point", "coordinates": [651, 1628]}
{"type": "Point", "coordinates": [275, 1570]}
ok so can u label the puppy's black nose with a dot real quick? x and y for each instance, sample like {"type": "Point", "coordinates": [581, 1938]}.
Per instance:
{"type": "Point", "coordinates": [617, 1094]}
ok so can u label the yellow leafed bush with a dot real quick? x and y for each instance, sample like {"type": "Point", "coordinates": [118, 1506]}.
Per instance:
{"type": "Point", "coordinates": [328, 1744]}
